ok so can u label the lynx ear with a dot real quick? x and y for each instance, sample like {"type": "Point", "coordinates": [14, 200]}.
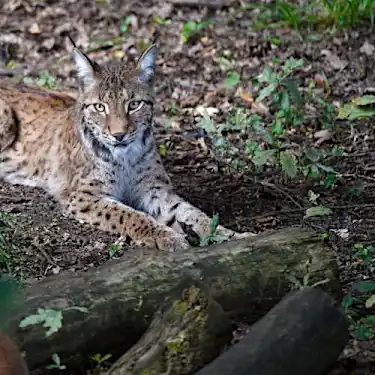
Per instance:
{"type": "Point", "coordinates": [146, 64]}
{"type": "Point", "coordinates": [87, 70]}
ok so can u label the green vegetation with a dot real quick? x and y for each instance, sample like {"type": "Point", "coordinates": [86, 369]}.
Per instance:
{"type": "Point", "coordinates": [44, 80]}
{"type": "Point", "coordinates": [192, 28]}
{"type": "Point", "coordinates": [313, 15]}
{"type": "Point", "coordinates": [262, 137]}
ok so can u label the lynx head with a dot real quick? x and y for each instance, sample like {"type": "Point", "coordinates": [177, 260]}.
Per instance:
{"type": "Point", "coordinates": [115, 101]}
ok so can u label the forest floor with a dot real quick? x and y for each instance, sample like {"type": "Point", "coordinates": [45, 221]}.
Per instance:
{"type": "Point", "coordinates": [213, 69]}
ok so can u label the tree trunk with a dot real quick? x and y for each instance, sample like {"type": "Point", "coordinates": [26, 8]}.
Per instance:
{"type": "Point", "coordinates": [246, 277]}
{"type": "Point", "coordinates": [304, 334]}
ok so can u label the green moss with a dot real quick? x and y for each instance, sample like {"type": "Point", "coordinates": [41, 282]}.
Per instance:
{"type": "Point", "coordinates": [180, 306]}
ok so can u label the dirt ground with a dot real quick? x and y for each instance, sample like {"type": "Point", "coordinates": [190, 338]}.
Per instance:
{"type": "Point", "coordinates": [33, 34]}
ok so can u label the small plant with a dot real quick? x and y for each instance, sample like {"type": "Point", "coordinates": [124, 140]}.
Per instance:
{"type": "Point", "coordinates": [233, 78]}
{"type": "Point", "coordinates": [362, 324]}
{"type": "Point", "coordinates": [56, 363]}
{"type": "Point", "coordinates": [267, 137]}
{"type": "Point", "coordinates": [114, 249]}
{"type": "Point", "coordinates": [126, 25]}
{"type": "Point", "coordinates": [44, 80]}
{"type": "Point", "coordinates": [364, 253]}
{"type": "Point", "coordinates": [100, 359]}
{"type": "Point", "coordinates": [51, 318]}
{"type": "Point", "coordinates": [161, 21]}
{"type": "Point", "coordinates": [192, 28]}
{"type": "Point", "coordinates": [213, 237]}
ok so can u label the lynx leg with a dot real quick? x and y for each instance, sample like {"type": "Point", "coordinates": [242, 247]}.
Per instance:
{"type": "Point", "coordinates": [8, 126]}
{"type": "Point", "coordinates": [181, 211]}
{"type": "Point", "coordinates": [112, 216]}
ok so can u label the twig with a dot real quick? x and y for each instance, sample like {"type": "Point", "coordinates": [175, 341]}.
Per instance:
{"type": "Point", "coordinates": [272, 186]}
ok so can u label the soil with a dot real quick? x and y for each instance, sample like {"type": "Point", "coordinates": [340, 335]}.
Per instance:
{"type": "Point", "coordinates": [33, 38]}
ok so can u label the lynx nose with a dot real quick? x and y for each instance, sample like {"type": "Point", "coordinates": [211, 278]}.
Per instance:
{"type": "Point", "coordinates": [119, 136]}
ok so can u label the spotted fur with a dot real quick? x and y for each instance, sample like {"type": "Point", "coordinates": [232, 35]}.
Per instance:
{"type": "Point", "coordinates": [97, 154]}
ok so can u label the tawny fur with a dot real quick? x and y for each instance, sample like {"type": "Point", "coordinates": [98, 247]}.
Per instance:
{"type": "Point", "coordinates": [97, 154]}
{"type": "Point", "coordinates": [11, 361]}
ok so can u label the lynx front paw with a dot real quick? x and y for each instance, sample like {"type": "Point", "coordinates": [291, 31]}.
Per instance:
{"type": "Point", "coordinates": [172, 242]}
{"type": "Point", "coordinates": [167, 240]}
{"type": "Point", "coordinates": [231, 234]}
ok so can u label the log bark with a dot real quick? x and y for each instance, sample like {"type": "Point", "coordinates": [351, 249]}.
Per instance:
{"type": "Point", "coordinates": [185, 334]}
{"type": "Point", "coordinates": [246, 277]}
{"type": "Point", "coordinates": [304, 334]}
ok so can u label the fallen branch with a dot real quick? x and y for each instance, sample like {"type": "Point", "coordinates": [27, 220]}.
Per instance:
{"type": "Point", "coordinates": [304, 334]}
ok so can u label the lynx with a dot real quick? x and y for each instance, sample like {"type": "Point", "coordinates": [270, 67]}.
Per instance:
{"type": "Point", "coordinates": [97, 155]}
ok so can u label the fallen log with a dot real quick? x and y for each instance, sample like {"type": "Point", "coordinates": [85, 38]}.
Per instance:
{"type": "Point", "coordinates": [188, 332]}
{"type": "Point", "coordinates": [246, 277]}
{"type": "Point", "coordinates": [304, 334]}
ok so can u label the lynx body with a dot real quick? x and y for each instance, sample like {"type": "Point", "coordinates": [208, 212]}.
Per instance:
{"type": "Point", "coordinates": [97, 154]}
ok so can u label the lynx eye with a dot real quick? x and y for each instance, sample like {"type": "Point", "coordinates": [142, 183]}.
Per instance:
{"type": "Point", "coordinates": [99, 107]}
{"type": "Point", "coordinates": [134, 105]}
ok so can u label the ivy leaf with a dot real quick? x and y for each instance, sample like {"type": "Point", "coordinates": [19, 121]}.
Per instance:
{"type": "Point", "coordinates": [288, 163]}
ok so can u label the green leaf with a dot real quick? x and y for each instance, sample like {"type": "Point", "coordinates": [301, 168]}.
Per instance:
{"type": "Point", "coordinates": [352, 112]}
{"type": "Point", "coordinates": [207, 123]}
{"type": "Point", "coordinates": [293, 91]}
{"type": "Point", "coordinates": [370, 302]}
{"type": "Point", "coordinates": [364, 100]}
{"type": "Point", "coordinates": [265, 92]}
{"type": "Point", "coordinates": [162, 150]}
{"type": "Point", "coordinates": [232, 80]}
{"type": "Point", "coordinates": [113, 249]}
{"type": "Point", "coordinates": [261, 157]}
{"type": "Point", "coordinates": [52, 320]}
{"type": "Point", "coordinates": [313, 154]}
{"type": "Point", "coordinates": [267, 76]}
{"type": "Point", "coordinates": [214, 223]}
{"type": "Point", "coordinates": [363, 333]}
{"type": "Point", "coordinates": [318, 211]}
{"type": "Point", "coordinates": [288, 163]}
{"type": "Point", "coordinates": [285, 100]}
{"type": "Point", "coordinates": [347, 301]}
{"type": "Point", "coordinates": [365, 286]}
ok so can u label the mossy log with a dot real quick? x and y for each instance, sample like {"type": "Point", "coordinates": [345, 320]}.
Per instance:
{"type": "Point", "coordinates": [304, 334]}
{"type": "Point", "coordinates": [185, 334]}
{"type": "Point", "coordinates": [246, 277]}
